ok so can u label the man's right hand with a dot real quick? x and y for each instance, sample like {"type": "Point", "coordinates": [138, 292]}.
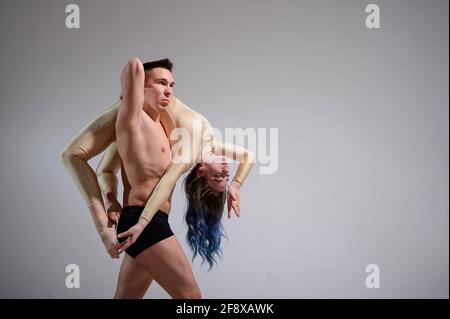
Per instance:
{"type": "Point", "coordinates": [113, 210]}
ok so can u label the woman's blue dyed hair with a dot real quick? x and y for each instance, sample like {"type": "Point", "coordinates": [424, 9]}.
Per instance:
{"type": "Point", "coordinates": [203, 217]}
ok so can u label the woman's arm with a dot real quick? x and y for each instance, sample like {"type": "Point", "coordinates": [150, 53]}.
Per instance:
{"type": "Point", "coordinates": [163, 190]}
{"type": "Point", "coordinates": [161, 193]}
{"type": "Point", "coordinates": [89, 142]}
{"type": "Point", "coordinates": [246, 160]}
{"type": "Point", "coordinates": [165, 186]}
{"type": "Point", "coordinates": [184, 154]}
{"type": "Point", "coordinates": [245, 157]}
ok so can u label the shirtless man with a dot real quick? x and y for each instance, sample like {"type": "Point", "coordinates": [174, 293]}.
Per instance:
{"type": "Point", "coordinates": [145, 152]}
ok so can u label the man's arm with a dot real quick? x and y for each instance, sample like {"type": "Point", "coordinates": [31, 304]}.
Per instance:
{"type": "Point", "coordinates": [107, 170]}
{"type": "Point", "coordinates": [106, 175]}
{"type": "Point", "coordinates": [132, 86]}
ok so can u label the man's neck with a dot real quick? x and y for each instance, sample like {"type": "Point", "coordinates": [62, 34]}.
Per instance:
{"type": "Point", "coordinates": [154, 114]}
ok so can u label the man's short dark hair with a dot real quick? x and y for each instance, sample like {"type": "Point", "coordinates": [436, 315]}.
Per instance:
{"type": "Point", "coordinates": [164, 63]}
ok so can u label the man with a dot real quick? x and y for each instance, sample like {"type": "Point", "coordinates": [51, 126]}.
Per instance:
{"type": "Point", "coordinates": [145, 152]}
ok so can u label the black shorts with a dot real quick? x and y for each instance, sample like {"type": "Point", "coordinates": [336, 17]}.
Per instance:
{"type": "Point", "coordinates": [155, 231]}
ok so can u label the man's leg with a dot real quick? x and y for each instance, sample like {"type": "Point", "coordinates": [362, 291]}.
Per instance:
{"type": "Point", "coordinates": [133, 280]}
{"type": "Point", "coordinates": [169, 266]}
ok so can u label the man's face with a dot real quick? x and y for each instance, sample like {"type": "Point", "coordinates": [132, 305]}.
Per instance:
{"type": "Point", "coordinates": [158, 88]}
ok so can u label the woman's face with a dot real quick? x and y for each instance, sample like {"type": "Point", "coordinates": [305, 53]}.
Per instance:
{"type": "Point", "coordinates": [215, 169]}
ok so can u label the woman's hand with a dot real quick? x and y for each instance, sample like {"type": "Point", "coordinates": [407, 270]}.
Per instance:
{"type": "Point", "coordinates": [133, 233]}
{"type": "Point", "coordinates": [233, 199]}
{"type": "Point", "coordinates": [109, 239]}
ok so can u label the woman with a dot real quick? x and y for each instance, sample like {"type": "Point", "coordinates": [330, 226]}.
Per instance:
{"type": "Point", "coordinates": [204, 185]}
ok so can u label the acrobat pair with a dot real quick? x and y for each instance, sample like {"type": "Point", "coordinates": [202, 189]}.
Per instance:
{"type": "Point", "coordinates": [134, 132]}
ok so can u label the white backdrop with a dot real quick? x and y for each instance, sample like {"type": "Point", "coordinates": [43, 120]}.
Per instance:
{"type": "Point", "coordinates": [362, 118]}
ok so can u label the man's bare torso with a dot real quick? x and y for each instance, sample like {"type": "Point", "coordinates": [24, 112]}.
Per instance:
{"type": "Point", "coordinates": [145, 153]}
{"type": "Point", "coordinates": [143, 159]}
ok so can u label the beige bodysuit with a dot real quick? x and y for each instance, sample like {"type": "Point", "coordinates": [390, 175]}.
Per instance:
{"type": "Point", "coordinates": [99, 134]}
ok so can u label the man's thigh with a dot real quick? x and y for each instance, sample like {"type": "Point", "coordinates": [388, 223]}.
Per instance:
{"type": "Point", "coordinates": [133, 281]}
{"type": "Point", "coordinates": [169, 266]}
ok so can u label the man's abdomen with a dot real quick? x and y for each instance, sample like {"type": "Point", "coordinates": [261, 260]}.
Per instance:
{"type": "Point", "coordinates": [139, 195]}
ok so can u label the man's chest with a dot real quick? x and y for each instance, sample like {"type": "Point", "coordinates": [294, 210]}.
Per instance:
{"type": "Point", "coordinates": [153, 137]}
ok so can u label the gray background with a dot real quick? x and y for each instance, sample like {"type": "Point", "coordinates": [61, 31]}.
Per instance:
{"type": "Point", "coordinates": [363, 140]}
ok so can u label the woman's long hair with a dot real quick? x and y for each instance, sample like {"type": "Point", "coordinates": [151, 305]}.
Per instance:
{"type": "Point", "coordinates": [203, 217]}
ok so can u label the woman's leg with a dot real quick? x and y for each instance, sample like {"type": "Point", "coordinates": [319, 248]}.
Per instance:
{"type": "Point", "coordinates": [133, 281]}
{"type": "Point", "coordinates": [169, 266]}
